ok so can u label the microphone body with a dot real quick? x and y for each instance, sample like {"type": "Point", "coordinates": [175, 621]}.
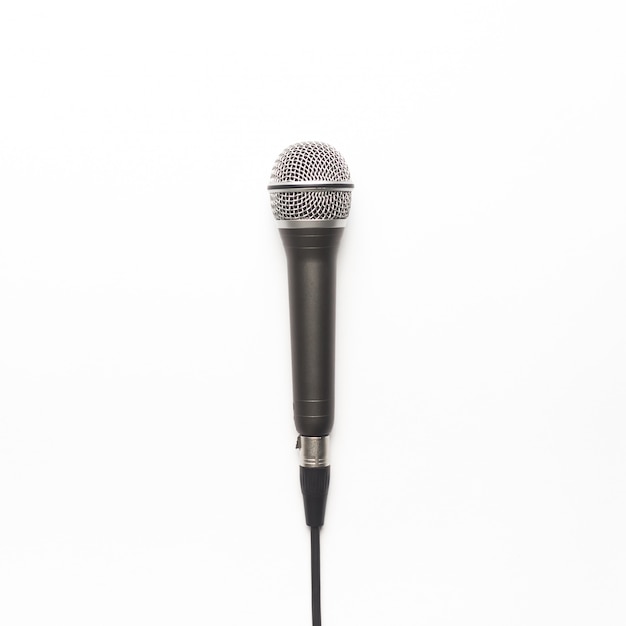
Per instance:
{"type": "Point", "coordinates": [312, 268]}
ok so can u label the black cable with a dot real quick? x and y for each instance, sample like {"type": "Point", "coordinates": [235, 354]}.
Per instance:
{"type": "Point", "coordinates": [315, 576]}
{"type": "Point", "coordinates": [314, 482]}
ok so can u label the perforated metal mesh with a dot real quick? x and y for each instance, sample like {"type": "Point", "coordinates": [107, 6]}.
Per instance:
{"type": "Point", "coordinates": [310, 161]}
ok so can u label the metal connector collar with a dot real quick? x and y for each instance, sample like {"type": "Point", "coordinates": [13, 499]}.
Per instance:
{"type": "Point", "coordinates": [314, 451]}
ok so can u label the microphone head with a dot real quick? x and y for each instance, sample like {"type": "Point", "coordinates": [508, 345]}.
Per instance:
{"type": "Point", "coordinates": [310, 181]}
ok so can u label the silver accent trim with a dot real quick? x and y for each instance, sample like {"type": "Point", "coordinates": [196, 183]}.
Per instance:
{"type": "Point", "coordinates": [311, 223]}
{"type": "Point", "coordinates": [311, 185]}
{"type": "Point", "coordinates": [314, 451]}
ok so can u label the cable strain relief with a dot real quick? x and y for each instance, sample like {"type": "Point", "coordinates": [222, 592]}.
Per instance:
{"type": "Point", "coordinates": [314, 482]}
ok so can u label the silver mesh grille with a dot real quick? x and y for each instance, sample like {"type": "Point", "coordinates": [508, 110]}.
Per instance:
{"type": "Point", "coordinates": [310, 161]}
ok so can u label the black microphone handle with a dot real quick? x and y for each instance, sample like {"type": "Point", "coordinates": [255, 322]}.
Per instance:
{"type": "Point", "coordinates": [312, 263]}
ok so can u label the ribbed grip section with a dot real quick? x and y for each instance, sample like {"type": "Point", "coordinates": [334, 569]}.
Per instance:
{"type": "Point", "coordinates": [314, 482]}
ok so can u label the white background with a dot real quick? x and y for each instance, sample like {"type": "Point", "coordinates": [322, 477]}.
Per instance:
{"type": "Point", "coordinates": [147, 470]}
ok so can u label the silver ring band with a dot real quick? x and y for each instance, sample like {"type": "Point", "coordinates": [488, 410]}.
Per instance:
{"type": "Point", "coordinates": [311, 223]}
{"type": "Point", "coordinates": [311, 185]}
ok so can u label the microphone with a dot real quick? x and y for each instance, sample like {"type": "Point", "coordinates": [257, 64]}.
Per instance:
{"type": "Point", "coordinates": [310, 193]}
